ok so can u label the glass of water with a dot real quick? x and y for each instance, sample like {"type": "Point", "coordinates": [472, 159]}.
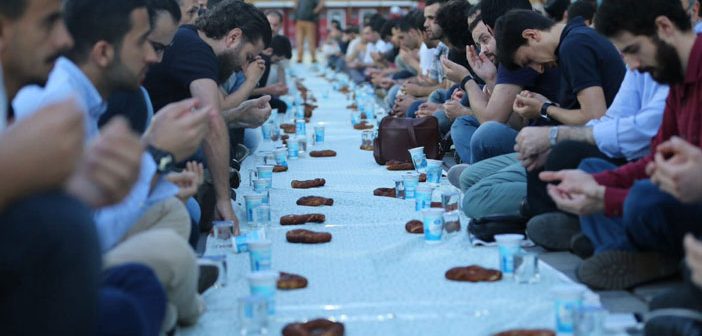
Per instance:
{"type": "Point", "coordinates": [221, 261]}
{"type": "Point", "coordinates": [253, 315]}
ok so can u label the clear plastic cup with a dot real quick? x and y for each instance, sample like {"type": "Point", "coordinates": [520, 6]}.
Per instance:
{"type": "Point", "coordinates": [410, 182]}
{"type": "Point", "coordinates": [422, 197]}
{"type": "Point", "coordinates": [319, 134]}
{"type": "Point", "coordinates": [253, 315]}
{"type": "Point", "coordinates": [262, 186]}
{"type": "Point", "coordinates": [281, 156]}
{"type": "Point", "coordinates": [261, 172]}
{"type": "Point", "coordinates": [567, 300]}
{"type": "Point", "coordinates": [452, 222]}
{"type": "Point", "coordinates": [293, 149]}
{"type": "Point", "coordinates": [399, 187]}
{"type": "Point", "coordinates": [526, 267]}
{"type": "Point", "coordinates": [263, 284]}
{"type": "Point", "coordinates": [223, 233]}
{"type": "Point", "coordinates": [508, 245]}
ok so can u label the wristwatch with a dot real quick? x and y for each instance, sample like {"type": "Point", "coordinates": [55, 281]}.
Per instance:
{"type": "Point", "coordinates": [165, 161]}
{"type": "Point", "coordinates": [544, 110]}
{"type": "Point", "coordinates": [553, 135]}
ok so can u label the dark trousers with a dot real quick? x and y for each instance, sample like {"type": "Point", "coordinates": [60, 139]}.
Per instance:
{"type": "Point", "coordinates": [49, 267]}
{"type": "Point", "coordinates": [653, 220]}
{"type": "Point", "coordinates": [686, 296]}
{"type": "Point", "coordinates": [132, 302]}
{"type": "Point", "coordinates": [564, 155]}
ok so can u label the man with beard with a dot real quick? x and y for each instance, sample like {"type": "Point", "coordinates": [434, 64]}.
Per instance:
{"type": "Point", "coordinates": [636, 228]}
{"type": "Point", "coordinates": [149, 226]}
{"type": "Point", "coordinates": [226, 39]}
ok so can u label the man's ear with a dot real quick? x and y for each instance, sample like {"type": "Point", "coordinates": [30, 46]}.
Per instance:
{"type": "Point", "coordinates": [532, 34]}
{"type": "Point", "coordinates": [665, 28]}
{"type": "Point", "coordinates": [233, 37]}
{"type": "Point", "coordinates": [102, 54]}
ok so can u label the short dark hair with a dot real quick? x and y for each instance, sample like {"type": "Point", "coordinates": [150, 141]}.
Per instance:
{"type": "Point", "coordinates": [169, 6]}
{"type": "Point", "coordinates": [351, 30]}
{"type": "Point", "coordinates": [90, 21]}
{"type": "Point", "coordinates": [12, 9]}
{"type": "Point", "coordinates": [453, 20]}
{"type": "Point", "coordinates": [376, 22]}
{"type": "Point", "coordinates": [386, 30]}
{"type": "Point", "coordinates": [638, 17]}
{"type": "Point", "coordinates": [491, 10]}
{"type": "Point", "coordinates": [431, 2]}
{"type": "Point", "coordinates": [584, 9]}
{"type": "Point", "coordinates": [275, 13]}
{"type": "Point", "coordinates": [556, 8]}
{"type": "Point", "coordinates": [508, 33]}
{"type": "Point", "coordinates": [335, 23]}
{"type": "Point", "coordinates": [231, 14]}
{"type": "Point", "coordinates": [478, 19]}
{"type": "Point", "coordinates": [281, 46]}
{"type": "Point", "coordinates": [413, 20]}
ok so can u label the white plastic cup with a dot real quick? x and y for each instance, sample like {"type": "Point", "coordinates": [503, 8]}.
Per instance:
{"type": "Point", "coordinates": [263, 186]}
{"type": "Point", "coordinates": [410, 182]}
{"type": "Point", "coordinates": [260, 255]}
{"type": "Point", "coordinates": [567, 300]}
{"type": "Point", "coordinates": [300, 127]}
{"type": "Point", "coordinates": [508, 245]}
{"type": "Point", "coordinates": [293, 149]}
{"type": "Point", "coordinates": [418, 159]}
{"type": "Point", "coordinates": [262, 172]}
{"type": "Point", "coordinates": [263, 284]}
{"type": "Point", "coordinates": [241, 242]}
{"type": "Point", "coordinates": [434, 171]}
{"type": "Point", "coordinates": [252, 201]}
{"type": "Point", "coordinates": [422, 197]}
{"type": "Point", "coordinates": [433, 219]}
{"type": "Point", "coordinates": [319, 134]}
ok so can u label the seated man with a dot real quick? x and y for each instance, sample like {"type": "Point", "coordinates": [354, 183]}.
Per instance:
{"type": "Point", "coordinates": [491, 104]}
{"type": "Point", "coordinates": [637, 229]}
{"type": "Point", "coordinates": [226, 39]}
{"type": "Point", "coordinates": [150, 220]}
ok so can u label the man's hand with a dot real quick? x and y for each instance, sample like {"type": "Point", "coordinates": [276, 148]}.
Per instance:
{"type": "Point", "coordinates": [188, 181]}
{"type": "Point", "coordinates": [224, 211]}
{"type": "Point", "coordinates": [532, 141]}
{"type": "Point", "coordinates": [454, 71]}
{"type": "Point", "coordinates": [254, 112]}
{"type": "Point", "coordinates": [412, 89]}
{"type": "Point", "coordinates": [677, 170]}
{"type": "Point", "coordinates": [577, 192]}
{"type": "Point", "coordinates": [45, 148]}
{"type": "Point", "coordinates": [179, 128]}
{"type": "Point", "coordinates": [110, 166]}
{"type": "Point", "coordinates": [528, 104]}
{"type": "Point", "coordinates": [454, 109]}
{"type": "Point", "coordinates": [279, 89]}
{"type": "Point", "coordinates": [534, 161]}
{"type": "Point", "coordinates": [481, 64]}
{"type": "Point", "coordinates": [255, 69]}
{"type": "Point", "coordinates": [426, 109]}
{"type": "Point", "coordinates": [402, 104]}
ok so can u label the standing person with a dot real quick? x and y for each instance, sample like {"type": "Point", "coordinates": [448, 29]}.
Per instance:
{"type": "Point", "coordinates": [306, 17]}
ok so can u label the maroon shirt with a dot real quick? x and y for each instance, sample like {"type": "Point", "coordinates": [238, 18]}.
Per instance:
{"type": "Point", "coordinates": [682, 117]}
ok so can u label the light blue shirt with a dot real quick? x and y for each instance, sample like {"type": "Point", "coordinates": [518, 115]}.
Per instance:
{"type": "Point", "coordinates": [698, 27]}
{"type": "Point", "coordinates": [67, 80]}
{"type": "Point", "coordinates": [3, 102]}
{"type": "Point", "coordinates": [634, 117]}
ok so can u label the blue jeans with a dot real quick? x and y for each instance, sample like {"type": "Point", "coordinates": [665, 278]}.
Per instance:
{"type": "Point", "coordinates": [653, 220]}
{"type": "Point", "coordinates": [413, 108]}
{"type": "Point", "coordinates": [50, 264]}
{"type": "Point", "coordinates": [475, 142]}
{"type": "Point", "coordinates": [132, 302]}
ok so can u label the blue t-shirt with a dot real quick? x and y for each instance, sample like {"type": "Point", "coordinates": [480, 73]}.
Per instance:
{"type": "Point", "coordinates": [587, 59]}
{"type": "Point", "coordinates": [187, 60]}
{"type": "Point", "coordinates": [546, 84]}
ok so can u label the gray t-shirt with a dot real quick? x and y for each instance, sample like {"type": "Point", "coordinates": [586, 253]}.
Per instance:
{"type": "Point", "coordinates": [305, 10]}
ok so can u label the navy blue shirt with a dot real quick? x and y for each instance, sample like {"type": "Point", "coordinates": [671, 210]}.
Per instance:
{"type": "Point", "coordinates": [187, 60]}
{"type": "Point", "coordinates": [587, 59]}
{"type": "Point", "coordinates": [546, 84]}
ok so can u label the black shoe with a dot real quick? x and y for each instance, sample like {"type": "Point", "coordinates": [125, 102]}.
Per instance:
{"type": "Point", "coordinates": [612, 270]}
{"type": "Point", "coordinates": [234, 178]}
{"type": "Point", "coordinates": [581, 246]}
{"type": "Point", "coordinates": [240, 153]}
{"type": "Point", "coordinates": [553, 230]}
{"type": "Point", "coordinates": [209, 272]}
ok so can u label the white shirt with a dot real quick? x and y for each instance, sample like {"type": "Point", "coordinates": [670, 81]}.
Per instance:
{"type": "Point", "coordinates": [379, 46]}
{"type": "Point", "coordinates": [352, 46]}
{"type": "Point", "coordinates": [3, 102]}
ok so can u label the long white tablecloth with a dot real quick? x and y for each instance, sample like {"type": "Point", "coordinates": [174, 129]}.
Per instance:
{"type": "Point", "coordinates": [373, 276]}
